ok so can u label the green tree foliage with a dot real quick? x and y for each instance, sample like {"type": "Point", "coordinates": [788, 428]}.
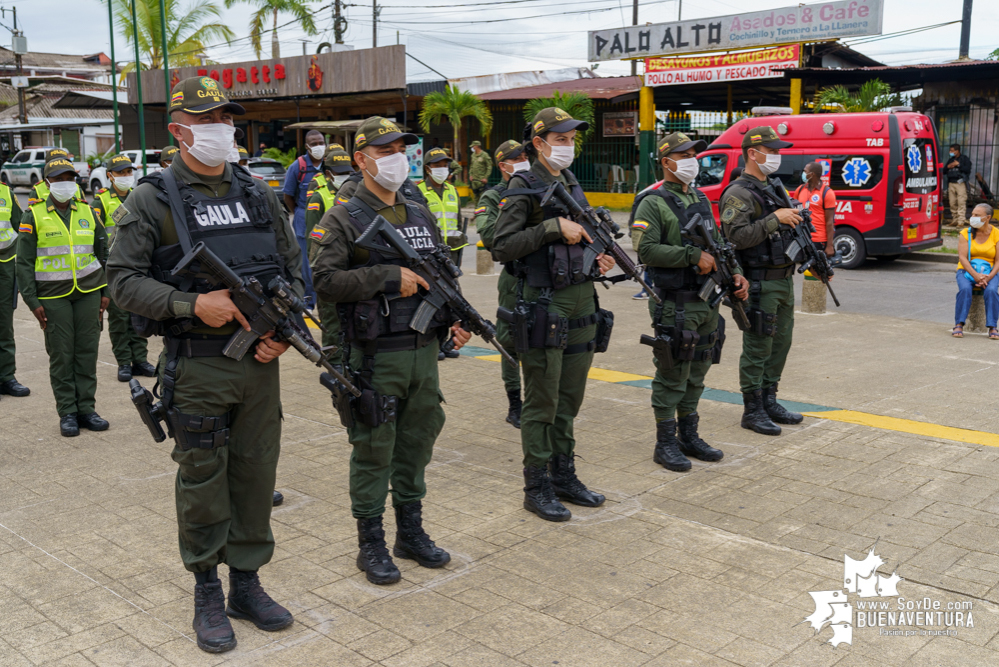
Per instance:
{"type": "Point", "coordinates": [270, 9]}
{"type": "Point", "coordinates": [189, 30]}
{"type": "Point", "coordinates": [578, 105]}
{"type": "Point", "coordinates": [874, 95]}
{"type": "Point", "coordinates": [284, 157]}
{"type": "Point", "coordinates": [452, 105]}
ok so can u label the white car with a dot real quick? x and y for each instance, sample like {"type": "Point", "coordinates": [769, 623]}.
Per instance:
{"type": "Point", "coordinates": [25, 168]}
{"type": "Point", "coordinates": [99, 175]}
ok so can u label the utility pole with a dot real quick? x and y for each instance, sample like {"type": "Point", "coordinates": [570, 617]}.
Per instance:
{"type": "Point", "coordinates": [114, 83]}
{"type": "Point", "coordinates": [339, 22]}
{"type": "Point", "coordinates": [965, 31]}
{"type": "Point", "coordinates": [375, 11]}
{"type": "Point", "coordinates": [634, 21]}
{"type": "Point", "coordinates": [19, 46]}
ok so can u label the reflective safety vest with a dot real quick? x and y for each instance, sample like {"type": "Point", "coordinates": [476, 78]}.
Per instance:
{"type": "Point", "coordinates": [447, 210]}
{"type": "Point", "coordinates": [329, 196]}
{"type": "Point", "coordinates": [65, 259]}
{"type": "Point", "coordinates": [109, 198]}
{"type": "Point", "coordinates": [8, 235]}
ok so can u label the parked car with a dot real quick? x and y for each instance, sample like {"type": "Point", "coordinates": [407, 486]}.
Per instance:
{"type": "Point", "coordinates": [269, 171]}
{"type": "Point", "coordinates": [99, 176]}
{"type": "Point", "coordinates": [25, 167]}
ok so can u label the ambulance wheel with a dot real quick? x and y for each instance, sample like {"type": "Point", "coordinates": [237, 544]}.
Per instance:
{"type": "Point", "coordinates": [850, 245]}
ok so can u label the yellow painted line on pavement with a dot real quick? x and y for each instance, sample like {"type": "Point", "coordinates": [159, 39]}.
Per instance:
{"type": "Point", "coordinates": [910, 426]}
{"type": "Point", "coordinates": [601, 374]}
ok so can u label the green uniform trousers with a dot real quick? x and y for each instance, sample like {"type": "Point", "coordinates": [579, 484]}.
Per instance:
{"type": "Point", "coordinates": [507, 286]}
{"type": "Point", "coordinates": [224, 495]}
{"type": "Point", "coordinates": [399, 451]}
{"type": "Point", "coordinates": [676, 392]}
{"type": "Point", "coordinates": [763, 357]}
{"type": "Point", "coordinates": [331, 322]}
{"type": "Point", "coordinates": [555, 383]}
{"type": "Point", "coordinates": [72, 335]}
{"type": "Point", "coordinates": [7, 296]}
{"type": "Point", "coordinates": [128, 346]}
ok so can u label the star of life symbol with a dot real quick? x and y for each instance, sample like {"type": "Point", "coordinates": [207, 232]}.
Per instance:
{"type": "Point", "coordinates": [833, 608]}
{"type": "Point", "coordinates": [856, 172]}
{"type": "Point", "coordinates": [915, 159]}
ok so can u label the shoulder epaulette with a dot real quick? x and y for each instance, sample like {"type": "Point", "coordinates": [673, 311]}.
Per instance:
{"type": "Point", "coordinates": [102, 191]}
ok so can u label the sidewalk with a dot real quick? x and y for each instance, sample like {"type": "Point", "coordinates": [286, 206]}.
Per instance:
{"type": "Point", "coordinates": [711, 567]}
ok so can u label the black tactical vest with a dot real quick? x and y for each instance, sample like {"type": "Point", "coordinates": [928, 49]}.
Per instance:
{"type": "Point", "coordinates": [375, 318]}
{"type": "Point", "coordinates": [770, 252]}
{"type": "Point", "coordinates": [556, 264]}
{"type": "Point", "coordinates": [679, 278]}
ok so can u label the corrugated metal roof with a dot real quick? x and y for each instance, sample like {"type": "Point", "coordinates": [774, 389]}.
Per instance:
{"type": "Point", "coordinates": [39, 106]}
{"type": "Point", "coordinates": [601, 88]}
{"type": "Point", "coordinates": [59, 61]}
{"type": "Point", "coordinates": [905, 76]}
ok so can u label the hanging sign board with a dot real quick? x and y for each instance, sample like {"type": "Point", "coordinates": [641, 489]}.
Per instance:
{"type": "Point", "coordinates": [712, 68]}
{"type": "Point", "coordinates": [802, 23]}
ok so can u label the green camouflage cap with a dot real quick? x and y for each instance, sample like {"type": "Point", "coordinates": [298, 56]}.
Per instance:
{"type": "Point", "coordinates": [118, 163]}
{"type": "Point", "coordinates": [764, 135]}
{"type": "Point", "coordinates": [554, 119]}
{"type": "Point", "coordinates": [60, 165]}
{"type": "Point", "coordinates": [435, 155]}
{"type": "Point", "coordinates": [338, 161]}
{"type": "Point", "coordinates": [199, 94]}
{"type": "Point", "coordinates": [243, 153]}
{"type": "Point", "coordinates": [678, 141]}
{"type": "Point", "coordinates": [378, 131]}
{"type": "Point", "coordinates": [168, 153]}
{"type": "Point", "coordinates": [508, 150]}
{"type": "Point", "coordinates": [57, 152]}
{"type": "Point", "coordinates": [476, 143]}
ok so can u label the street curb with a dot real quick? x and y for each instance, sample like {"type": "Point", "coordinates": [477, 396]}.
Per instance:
{"type": "Point", "coordinates": [937, 257]}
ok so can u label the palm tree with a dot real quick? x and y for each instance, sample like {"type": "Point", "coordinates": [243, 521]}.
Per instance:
{"type": "Point", "coordinates": [578, 105]}
{"type": "Point", "coordinates": [270, 9]}
{"type": "Point", "coordinates": [452, 105]}
{"type": "Point", "coordinates": [189, 30]}
{"type": "Point", "coordinates": [874, 95]}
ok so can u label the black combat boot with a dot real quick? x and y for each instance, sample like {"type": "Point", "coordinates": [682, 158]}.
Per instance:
{"type": "Point", "coordinates": [213, 629]}
{"type": "Point", "coordinates": [778, 412]}
{"type": "Point", "coordinates": [124, 373]}
{"type": "Point", "coordinates": [691, 443]}
{"type": "Point", "coordinates": [513, 416]}
{"type": "Point", "coordinates": [278, 499]}
{"type": "Point", "coordinates": [93, 421]}
{"type": "Point", "coordinates": [668, 453]}
{"type": "Point", "coordinates": [249, 601]}
{"type": "Point", "coordinates": [374, 559]}
{"type": "Point", "coordinates": [567, 485]}
{"type": "Point", "coordinates": [754, 415]}
{"type": "Point", "coordinates": [412, 542]}
{"type": "Point", "coordinates": [14, 388]}
{"type": "Point", "coordinates": [539, 495]}
{"type": "Point", "coordinates": [143, 368]}
{"type": "Point", "coordinates": [69, 426]}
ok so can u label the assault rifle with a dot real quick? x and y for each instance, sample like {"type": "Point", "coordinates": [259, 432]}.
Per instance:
{"type": "Point", "coordinates": [280, 312]}
{"type": "Point", "coordinates": [440, 273]}
{"type": "Point", "coordinates": [604, 232]}
{"type": "Point", "coordinates": [720, 283]}
{"type": "Point", "coordinates": [806, 254]}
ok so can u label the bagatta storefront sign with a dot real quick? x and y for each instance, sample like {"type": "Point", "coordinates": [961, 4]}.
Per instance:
{"type": "Point", "coordinates": [802, 23]}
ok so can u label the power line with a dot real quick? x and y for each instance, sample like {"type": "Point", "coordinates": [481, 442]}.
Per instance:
{"type": "Point", "coordinates": [900, 33]}
{"type": "Point", "coordinates": [525, 18]}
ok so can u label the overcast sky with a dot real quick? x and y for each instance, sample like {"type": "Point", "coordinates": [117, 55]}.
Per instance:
{"type": "Point", "coordinates": [438, 36]}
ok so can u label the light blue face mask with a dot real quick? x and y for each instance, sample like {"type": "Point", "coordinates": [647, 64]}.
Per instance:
{"type": "Point", "coordinates": [804, 177]}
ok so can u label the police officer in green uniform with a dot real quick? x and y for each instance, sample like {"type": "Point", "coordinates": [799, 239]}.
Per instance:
{"type": "Point", "coordinates": [10, 222]}
{"type": "Point", "coordinates": [541, 245]}
{"type": "Point", "coordinates": [226, 414]}
{"type": "Point", "coordinates": [397, 366]}
{"type": "Point", "coordinates": [510, 159]}
{"type": "Point", "coordinates": [337, 169]}
{"type": "Point", "coordinates": [677, 268]}
{"type": "Point", "coordinates": [757, 217]}
{"type": "Point", "coordinates": [40, 190]}
{"type": "Point", "coordinates": [167, 155]}
{"type": "Point", "coordinates": [479, 168]}
{"type": "Point", "coordinates": [129, 347]}
{"type": "Point", "coordinates": [62, 280]}
{"type": "Point", "coordinates": [442, 197]}
{"type": "Point", "coordinates": [244, 156]}
{"type": "Point", "coordinates": [408, 189]}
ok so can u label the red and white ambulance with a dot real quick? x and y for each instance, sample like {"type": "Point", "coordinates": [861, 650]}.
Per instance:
{"type": "Point", "coordinates": [884, 168]}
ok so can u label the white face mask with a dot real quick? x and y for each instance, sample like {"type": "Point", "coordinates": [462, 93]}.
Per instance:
{"type": "Point", "coordinates": [771, 165]}
{"type": "Point", "coordinates": [520, 166]}
{"type": "Point", "coordinates": [62, 191]}
{"type": "Point", "coordinates": [976, 222]}
{"type": "Point", "coordinates": [440, 174]}
{"type": "Point", "coordinates": [686, 169]}
{"type": "Point", "coordinates": [317, 152]}
{"type": "Point", "coordinates": [212, 143]}
{"type": "Point", "coordinates": [393, 170]}
{"type": "Point", "coordinates": [124, 183]}
{"type": "Point", "coordinates": [561, 156]}
{"type": "Point", "coordinates": [233, 156]}
{"type": "Point", "coordinates": [340, 179]}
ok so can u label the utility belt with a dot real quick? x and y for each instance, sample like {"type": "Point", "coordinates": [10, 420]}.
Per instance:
{"type": "Point", "coordinates": [674, 344]}
{"type": "Point", "coordinates": [533, 326]}
{"type": "Point", "coordinates": [756, 275]}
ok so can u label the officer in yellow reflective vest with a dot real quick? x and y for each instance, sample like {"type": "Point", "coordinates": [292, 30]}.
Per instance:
{"type": "Point", "coordinates": [167, 155]}
{"type": "Point", "coordinates": [10, 220]}
{"type": "Point", "coordinates": [442, 197]}
{"type": "Point", "coordinates": [129, 347]}
{"type": "Point", "coordinates": [337, 168]}
{"type": "Point", "coordinates": [40, 190]}
{"type": "Point", "coordinates": [62, 281]}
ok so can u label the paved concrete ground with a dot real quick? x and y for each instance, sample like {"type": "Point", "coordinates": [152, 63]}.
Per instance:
{"type": "Point", "coordinates": [712, 567]}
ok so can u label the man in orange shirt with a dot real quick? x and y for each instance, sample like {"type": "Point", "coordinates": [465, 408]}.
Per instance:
{"type": "Point", "coordinates": [821, 201]}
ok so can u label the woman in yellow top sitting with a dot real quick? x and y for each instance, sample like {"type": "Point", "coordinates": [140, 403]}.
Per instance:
{"type": "Point", "coordinates": [977, 270]}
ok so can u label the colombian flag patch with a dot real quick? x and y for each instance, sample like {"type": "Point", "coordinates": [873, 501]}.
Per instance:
{"type": "Point", "coordinates": [481, 209]}
{"type": "Point", "coordinates": [314, 206]}
{"type": "Point", "coordinates": [318, 234]}
{"type": "Point", "coordinates": [502, 202]}
{"type": "Point", "coordinates": [177, 97]}
{"type": "Point", "coordinates": [26, 229]}
{"type": "Point", "coordinates": [640, 224]}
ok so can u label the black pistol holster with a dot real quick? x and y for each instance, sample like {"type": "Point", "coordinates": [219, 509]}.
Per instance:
{"type": "Point", "coordinates": [372, 409]}
{"type": "Point", "coordinates": [762, 322]}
